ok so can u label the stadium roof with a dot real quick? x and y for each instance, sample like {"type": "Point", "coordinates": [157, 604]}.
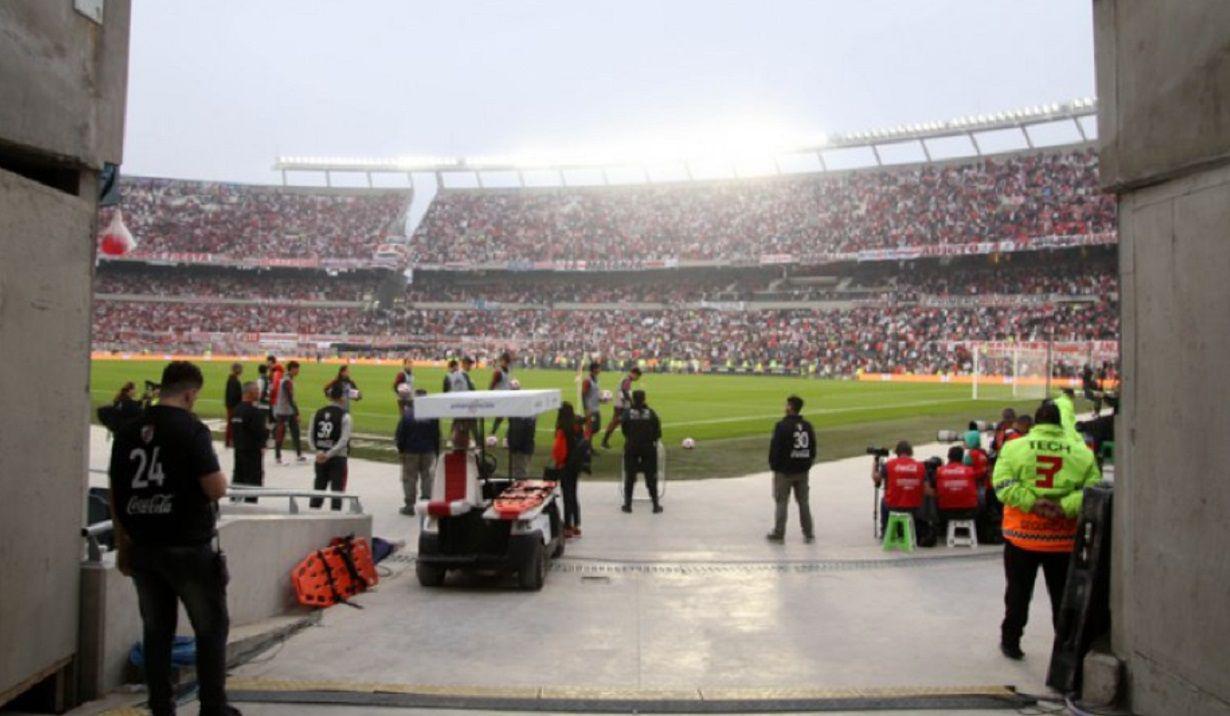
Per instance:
{"type": "Point", "coordinates": [969, 127]}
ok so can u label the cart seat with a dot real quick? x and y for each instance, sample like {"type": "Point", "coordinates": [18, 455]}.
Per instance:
{"type": "Point", "coordinates": [455, 490]}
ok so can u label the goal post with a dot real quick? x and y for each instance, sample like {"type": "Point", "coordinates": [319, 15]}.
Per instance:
{"type": "Point", "coordinates": [1011, 371]}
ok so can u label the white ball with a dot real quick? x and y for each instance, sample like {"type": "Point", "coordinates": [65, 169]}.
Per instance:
{"type": "Point", "coordinates": [492, 441]}
{"type": "Point", "coordinates": [688, 443]}
{"type": "Point", "coordinates": [354, 393]}
{"type": "Point", "coordinates": [404, 390]}
{"type": "Point", "coordinates": [605, 396]}
{"type": "Point", "coordinates": [514, 384]}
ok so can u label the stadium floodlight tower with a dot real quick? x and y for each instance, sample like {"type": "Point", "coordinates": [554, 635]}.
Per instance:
{"type": "Point", "coordinates": [1011, 370]}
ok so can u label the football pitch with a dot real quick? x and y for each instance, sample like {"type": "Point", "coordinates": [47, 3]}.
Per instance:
{"type": "Point", "coordinates": [729, 417]}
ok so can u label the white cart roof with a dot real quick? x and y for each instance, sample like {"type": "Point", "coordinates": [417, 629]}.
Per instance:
{"type": "Point", "coordinates": [487, 404]}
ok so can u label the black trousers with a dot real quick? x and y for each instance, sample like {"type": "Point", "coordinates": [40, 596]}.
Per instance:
{"type": "Point", "coordinates": [249, 470]}
{"type": "Point", "coordinates": [196, 576]}
{"type": "Point", "coordinates": [330, 475]}
{"type": "Point", "coordinates": [572, 506]}
{"type": "Point", "coordinates": [646, 463]}
{"type": "Point", "coordinates": [282, 422]}
{"type": "Point", "coordinates": [1021, 570]}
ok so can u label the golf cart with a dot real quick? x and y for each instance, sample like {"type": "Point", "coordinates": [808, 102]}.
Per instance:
{"type": "Point", "coordinates": [475, 520]}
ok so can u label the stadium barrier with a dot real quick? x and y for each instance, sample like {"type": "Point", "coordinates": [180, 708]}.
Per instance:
{"type": "Point", "coordinates": [1074, 383]}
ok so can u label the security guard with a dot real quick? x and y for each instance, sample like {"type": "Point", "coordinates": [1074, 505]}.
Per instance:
{"type": "Point", "coordinates": [641, 430]}
{"type": "Point", "coordinates": [791, 455]}
{"type": "Point", "coordinates": [1066, 402]}
{"type": "Point", "coordinates": [1040, 479]}
{"type": "Point", "coordinates": [165, 485]}
{"type": "Point", "coordinates": [331, 440]}
{"type": "Point", "coordinates": [249, 431]}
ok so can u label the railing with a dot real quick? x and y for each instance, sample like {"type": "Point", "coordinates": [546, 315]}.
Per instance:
{"type": "Point", "coordinates": [93, 533]}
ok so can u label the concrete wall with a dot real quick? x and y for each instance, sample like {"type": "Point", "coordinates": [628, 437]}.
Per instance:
{"type": "Point", "coordinates": [63, 84]}
{"type": "Point", "coordinates": [261, 550]}
{"type": "Point", "coordinates": [1164, 88]}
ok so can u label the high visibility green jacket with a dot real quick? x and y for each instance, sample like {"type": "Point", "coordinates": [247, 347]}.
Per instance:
{"type": "Point", "coordinates": [1050, 463]}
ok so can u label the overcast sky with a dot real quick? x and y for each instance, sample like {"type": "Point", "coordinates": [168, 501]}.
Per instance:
{"type": "Point", "coordinates": [217, 89]}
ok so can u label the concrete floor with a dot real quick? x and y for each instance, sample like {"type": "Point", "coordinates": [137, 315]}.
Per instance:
{"type": "Point", "coordinates": [692, 598]}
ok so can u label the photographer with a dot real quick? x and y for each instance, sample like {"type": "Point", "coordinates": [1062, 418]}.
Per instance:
{"type": "Point", "coordinates": [165, 485]}
{"type": "Point", "coordinates": [123, 408]}
{"type": "Point", "coordinates": [232, 397]}
{"type": "Point", "coordinates": [905, 486]}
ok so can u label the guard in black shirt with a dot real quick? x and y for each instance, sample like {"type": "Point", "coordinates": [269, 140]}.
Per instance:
{"type": "Point", "coordinates": [232, 397]}
{"type": "Point", "coordinates": [641, 430]}
{"type": "Point", "coordinates": [331, 440]}
{"type": "Point", "coordinates": [249, 429]}
{"type": "Point", "coordinates": [791, 454]}
{"type": "Point", "coordinates": [165, 486]}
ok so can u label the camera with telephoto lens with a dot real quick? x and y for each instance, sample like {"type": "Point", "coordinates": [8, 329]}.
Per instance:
{"type": "Point", "coordinates": [150, 394]}
{"type": "Point", "coordinates": [878, 451]}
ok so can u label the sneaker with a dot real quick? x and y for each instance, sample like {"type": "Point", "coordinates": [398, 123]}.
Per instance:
{"type": "Point", "coordinates": [280, 461]}
{"type": "Point", "coordinates": [774, 537]}
{"type": "Point", "coordinates": [576, 531]}
{"type": "Point", "coordinates": [1011, 650]}
{"type": "Point", "coordinates": [407, 510]}
{"type": "Point", "coordinates": [657, 509]}
{"type": "Point", "coordinates": [626, 508]}
{"type": "Point", "coordinates": [809, 538]}
{"type": "Point", "coordinates": [301, 458]}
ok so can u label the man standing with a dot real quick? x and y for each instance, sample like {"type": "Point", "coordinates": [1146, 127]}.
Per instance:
{"type": "Point", "coordinates": [165, 486]}
{"type": "Point", "coordinates": [264, 402]}
{"type": "Point", "coordinates": [520, 442]}
{"type": "Point", "coordinates": [623, 399]}
{"type": "Point", "coordinates": [591, 400]}
{"type": "Point", "coordinates": [457, 380]}
{"type": "Point", "coordinates": [405, 377]}
{"type": "Point", "coordinates": [286, 414]}
{"type": "Point", "coordinates": [418, 443]}
{"type": "Point", "coordinates": [331, 440]}
{"type": "Point", "coordinates": [1040, 479]}
{"type": "Point", "coordinates": [791, 454]}
{"type": "Point", "coordinates": [250, 430]}
{"type": "Point", "coordinates": [642, 430]}
{"type": "Point", "coordinates": [501, 379]}
{"type": "Point", "coordinates": [233, 396]}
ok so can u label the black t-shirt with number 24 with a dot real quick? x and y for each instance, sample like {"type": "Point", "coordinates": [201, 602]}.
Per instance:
{"type": "Point", "coordinates": [157, 464]}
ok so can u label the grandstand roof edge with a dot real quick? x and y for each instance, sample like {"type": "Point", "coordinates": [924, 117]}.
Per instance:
{"type": "Point", "coordinates": [282, 188]}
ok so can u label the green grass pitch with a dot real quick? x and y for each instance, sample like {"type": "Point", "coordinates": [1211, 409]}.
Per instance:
{"type": "Point", "coordinates": [730, 417]}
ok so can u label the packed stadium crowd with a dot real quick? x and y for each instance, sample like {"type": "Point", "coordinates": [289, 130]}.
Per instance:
{"type": "Point", "coordinates": [892, 339]}
{"type": "Point", "coordinates": [244, 221]}
{"type": "Point", "coordinates": [247, 286]}
{"type": "Point", "coordinates": [1019, 197]}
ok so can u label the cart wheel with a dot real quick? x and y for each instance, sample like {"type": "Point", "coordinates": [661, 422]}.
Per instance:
{"type": "Point", "coordinates": [429, 575]}
{"type": "Point", "coordinates": [533, 573]}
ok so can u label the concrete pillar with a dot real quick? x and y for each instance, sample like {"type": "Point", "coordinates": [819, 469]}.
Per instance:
{"type": "Point", "coordinates": [63, 86]}
{"type": "Point", "coordinates": [1164, 127]}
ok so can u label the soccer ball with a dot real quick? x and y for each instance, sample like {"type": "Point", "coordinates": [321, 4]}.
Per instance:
{"type": "Point", "coordinates": [605, 396]}
{"type": "Point", "coordinates": [688, 443]}
{"type": "Point", "coordinates": [404, 390]}
{"type": "Point", "coordinates": [354, 393]}
{"type": "Point", "coordinates": [514, 384]}
{"type": "Point", "coordinates": [492, 441]}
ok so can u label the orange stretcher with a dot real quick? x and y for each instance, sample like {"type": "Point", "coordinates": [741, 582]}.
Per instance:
{"type": "Point", "coordinates": [521, 497]}
{"type": "Point", "coordinates": [335, 574]}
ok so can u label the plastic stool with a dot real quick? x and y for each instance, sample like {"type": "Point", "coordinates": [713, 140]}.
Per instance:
{"type": "Point", "coordinates": [899, 532]}
{"type": "Point", "coordinates": [971, 533]}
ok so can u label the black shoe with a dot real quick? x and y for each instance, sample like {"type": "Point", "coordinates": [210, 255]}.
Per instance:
{"type": "Point", "coordinates": [657, 509]}
{"type": "Point", "coordinates": [606, 445]}
{"type": "Point", "coordinates": [1011, 650]}
{"type": "Point", "coordinates": [809, 538]}
{"type": "Point", "coordinates": [626, 508]}
{"type": "Point", "coordinates": [774, 537]}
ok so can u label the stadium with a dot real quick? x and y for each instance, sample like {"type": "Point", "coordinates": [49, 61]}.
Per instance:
{"type": "Point", "coordinates": [806, 275]}
{"type": "Point", "coordinates": [319, 351]}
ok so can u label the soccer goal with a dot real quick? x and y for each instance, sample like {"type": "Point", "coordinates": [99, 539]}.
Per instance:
{"type": "Point", "coordinates": [1011, 371]}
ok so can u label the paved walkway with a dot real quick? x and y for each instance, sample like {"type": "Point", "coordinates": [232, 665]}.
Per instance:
{"type": "Point", "coordinates": [691, 598]}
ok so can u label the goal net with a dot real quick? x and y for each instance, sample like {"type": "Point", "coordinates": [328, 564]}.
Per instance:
{"type": "Point", "coordinates": [1011, 371]}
